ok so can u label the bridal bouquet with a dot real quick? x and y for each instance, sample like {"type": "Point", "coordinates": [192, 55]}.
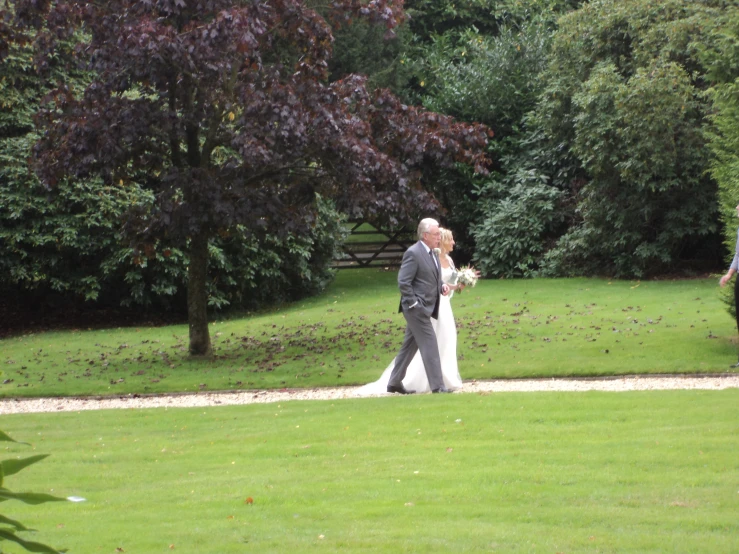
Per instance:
{"type": "Point", "coordinates": [467, 276]}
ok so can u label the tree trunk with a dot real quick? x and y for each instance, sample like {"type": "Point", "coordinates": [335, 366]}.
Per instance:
{"type": "Point", "coordinates": [197, 297]}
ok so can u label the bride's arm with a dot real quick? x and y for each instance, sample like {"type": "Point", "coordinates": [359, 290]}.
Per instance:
{"type": "Point", "coordinates": [458, 286]}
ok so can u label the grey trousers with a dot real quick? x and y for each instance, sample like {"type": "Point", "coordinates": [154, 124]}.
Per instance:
{"type": "Point", "coordinates": [419, 335]}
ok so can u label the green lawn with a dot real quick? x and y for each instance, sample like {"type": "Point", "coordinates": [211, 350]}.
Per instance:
{"type": "Point", "coordinates": [507, 328]}
{"type": "Point", "coordinates": [537, 472]}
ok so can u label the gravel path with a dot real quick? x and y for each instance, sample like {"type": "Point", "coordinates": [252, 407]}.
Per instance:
{"type": "Point", "coordinates": [610, 384]}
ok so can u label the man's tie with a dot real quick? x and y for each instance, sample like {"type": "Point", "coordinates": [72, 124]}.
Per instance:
{"type": "Point", "coordinates": [433, 259]}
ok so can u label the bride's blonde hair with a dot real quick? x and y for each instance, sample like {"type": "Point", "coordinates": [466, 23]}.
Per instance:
{"type": "Point", "coordinates": [446, 240]}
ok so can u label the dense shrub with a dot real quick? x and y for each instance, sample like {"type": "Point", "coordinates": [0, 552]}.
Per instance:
{"type": "Point", "coordinates": [722, 61]}
{"type": "Point", "coordinates": [493, 79]}
{"type": "Point", "coordinates": [625, 106]}
{"type": "Point", "coordinates": [66, 248]}
{"type": "Point", "coordinates": [251, 272]}
{"type": "Point", "coordinates": [520, 212]}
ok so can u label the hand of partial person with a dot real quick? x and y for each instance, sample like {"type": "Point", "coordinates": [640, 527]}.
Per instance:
{"type": "Point", "coordinates": [460, 287]}
{"type": "Point", "coordinates": [725, 279]}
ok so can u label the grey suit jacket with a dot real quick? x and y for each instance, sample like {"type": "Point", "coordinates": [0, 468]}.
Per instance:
{"type": "Point", "coordinates": [419, 281]}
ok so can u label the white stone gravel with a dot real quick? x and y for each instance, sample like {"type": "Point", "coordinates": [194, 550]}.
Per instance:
{"type": "Point", "coordinates": [610, 384]}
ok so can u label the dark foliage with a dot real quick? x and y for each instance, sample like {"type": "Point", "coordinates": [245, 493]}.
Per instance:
{"type": "Point", "coordinates": [222, 110]}
{"type": "Point", "coordinates": [430, 18]}
{"type": "Point", "coordinates": [63, 257]}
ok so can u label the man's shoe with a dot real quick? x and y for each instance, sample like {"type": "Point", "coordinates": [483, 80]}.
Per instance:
{"type": "Point", "coordinates": [400, 389]}
{"type": "Point", "coordinates": [441, 390]}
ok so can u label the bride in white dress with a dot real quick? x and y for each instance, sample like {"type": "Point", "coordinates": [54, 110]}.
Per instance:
{"type": "Point", "coordinates": [446, 336]}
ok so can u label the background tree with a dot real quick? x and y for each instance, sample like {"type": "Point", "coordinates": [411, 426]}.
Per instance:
{"type": "Point", "coordinates": [624, 105]}
{"type": "Point", "coordinates": [63, 251]}
{"type": "Point", "coordinates": [436, 18]}
{"type": "Point", "coordinates": [477, 60]}
{"type": "Point", "coordinates": [597, 178]}
{"type": "Point", "coordinates": [496, 78]}
{"type": "Point", "coordinates": [43, 248]}
{"type": "Point", "coordinates": [222, 110]}
{"type": "Point", "coordinates": [481, 60]}
{"type": "Point", "coordinates": [366, 49]}
{"type": "Point", "coordinates": [721, 59]}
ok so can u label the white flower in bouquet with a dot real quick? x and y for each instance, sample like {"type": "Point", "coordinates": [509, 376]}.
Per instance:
{"type": "Point", "coordinates": [467, 276]}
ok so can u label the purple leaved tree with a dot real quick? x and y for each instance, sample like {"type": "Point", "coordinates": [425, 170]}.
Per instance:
{"type": "Point", "coordinates": [222, 108]}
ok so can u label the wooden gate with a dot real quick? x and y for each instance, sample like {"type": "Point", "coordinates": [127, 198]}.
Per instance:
{"type": "Point", "coordinates": [369, 246]}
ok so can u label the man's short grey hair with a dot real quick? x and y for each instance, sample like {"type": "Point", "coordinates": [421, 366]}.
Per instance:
{"type": "Point", "coordinates": [425, 226]}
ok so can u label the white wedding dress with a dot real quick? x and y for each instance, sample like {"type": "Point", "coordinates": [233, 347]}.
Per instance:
{"type": "Point", "coordinates": [446, 336]}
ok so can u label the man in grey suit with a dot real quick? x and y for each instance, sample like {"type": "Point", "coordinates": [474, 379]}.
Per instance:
{"type": "Point", "coordinates": [419, 280]}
